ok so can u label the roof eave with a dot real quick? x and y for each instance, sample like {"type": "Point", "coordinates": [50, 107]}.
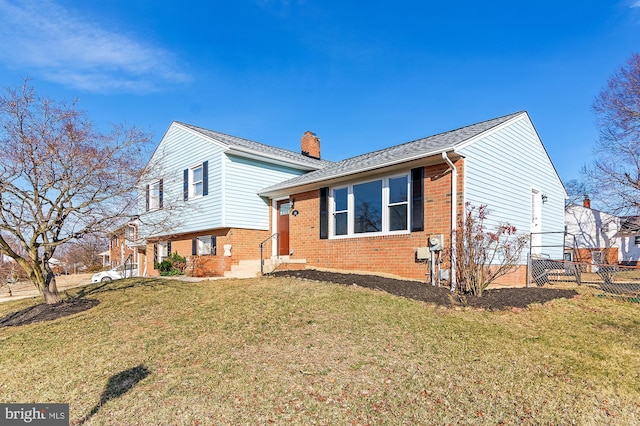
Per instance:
{"type": "Point", "coordinates": [378, 169]}
{"type": "Point", "coordinates": [272, 159]}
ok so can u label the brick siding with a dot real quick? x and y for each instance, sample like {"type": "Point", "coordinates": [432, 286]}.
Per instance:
{"type": "Point", "coordinates": [244, 246]}
{"type": "Point", "coordinates": [391, 254]}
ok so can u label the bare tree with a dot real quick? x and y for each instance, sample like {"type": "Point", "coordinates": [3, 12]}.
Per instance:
{"type": "Point", "coordinates": [85, 252]}
{"type": "Point", "coordinates": [577, 192]}
{"type": "Point", "coordinates": [616, 172]}
{"type": "Point", "coordinates": [60, 180]}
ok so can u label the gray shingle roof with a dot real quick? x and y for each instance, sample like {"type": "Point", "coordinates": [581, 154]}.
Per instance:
{"type": "Point", "coordinates": [408, 151]}
{"type": "Point", "coordinates": [251, 147]}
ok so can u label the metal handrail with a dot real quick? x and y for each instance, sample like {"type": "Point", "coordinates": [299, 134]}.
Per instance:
{"type": "Point", "coordinates": [262, 244]}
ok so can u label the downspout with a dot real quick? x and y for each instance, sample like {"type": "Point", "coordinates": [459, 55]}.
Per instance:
{"type": "Point", "coordinates": [454, 217]}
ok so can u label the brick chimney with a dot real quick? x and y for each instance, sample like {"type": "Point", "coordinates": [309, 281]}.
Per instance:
{"type": "Point", "coordinates": [586, 202]}
{"type": "Point", "coordinates": [310, 145]}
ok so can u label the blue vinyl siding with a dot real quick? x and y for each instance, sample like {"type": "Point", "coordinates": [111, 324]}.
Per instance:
{"type": "Point", "coordinates": [501, 170]}
{"type": "Point", "coordinates": [244, 208]}
{"type": "Point", "coordinates": [233, 183]}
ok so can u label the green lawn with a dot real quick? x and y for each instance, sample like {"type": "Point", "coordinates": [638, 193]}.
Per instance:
{"type": "Point", "coordinates": [288, 351]}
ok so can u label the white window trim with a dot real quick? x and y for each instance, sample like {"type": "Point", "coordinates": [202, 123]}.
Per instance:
{"type": "Point", "coordinates": [160, 256]}
{"type": "Point", "coordinates": [154, 200]}
{"type": "Point", "coordinates": [385, 209]}
{"type": "Point", "coordinates": [200, 244]}
{"type": "Point", "coordinates": [192, 182]}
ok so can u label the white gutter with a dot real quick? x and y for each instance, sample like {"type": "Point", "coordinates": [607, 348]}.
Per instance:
{"type": "Point", "coordinates": [454, 217]}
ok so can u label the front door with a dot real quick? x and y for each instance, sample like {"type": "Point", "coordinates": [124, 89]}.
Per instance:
{"type": "Point", "coordinates": [283, 228]}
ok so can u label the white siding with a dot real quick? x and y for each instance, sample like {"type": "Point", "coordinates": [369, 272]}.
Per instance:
{"type": "Point", "coordinates": [591, 228]}
{"type": "Point", "coordinates": [629, 250]}
{"type": "Point", "coordinates": [503, 168]}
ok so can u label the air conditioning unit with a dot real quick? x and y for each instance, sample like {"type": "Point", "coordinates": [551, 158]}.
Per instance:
{"type": "Point", "coordinates": [436, 242]}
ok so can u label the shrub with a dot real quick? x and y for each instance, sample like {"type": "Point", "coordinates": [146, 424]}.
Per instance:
{"type": "Point", "coordinates": [483, 255]}
{"type": "Point", "coordinates": [172, 265]}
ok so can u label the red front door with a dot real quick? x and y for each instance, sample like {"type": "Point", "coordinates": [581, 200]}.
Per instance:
{"type": "Point", "coordinates": [283, 228]}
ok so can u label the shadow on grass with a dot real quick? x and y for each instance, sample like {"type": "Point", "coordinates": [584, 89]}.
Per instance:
{"type": "Point", "coordinates": [117, 386]}
{"type": "Point", "coordinates": [119, 285]}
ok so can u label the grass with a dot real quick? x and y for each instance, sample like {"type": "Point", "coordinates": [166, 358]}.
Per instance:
{"type": "Point", "coordinates": [287, 351]}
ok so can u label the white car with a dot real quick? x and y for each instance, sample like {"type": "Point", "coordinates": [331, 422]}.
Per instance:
{"type": "Point", "coordinates": [116, 273]}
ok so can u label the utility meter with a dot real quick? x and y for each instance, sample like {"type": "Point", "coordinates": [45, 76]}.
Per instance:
{"type": "Point", "coordinates": [436, 242]}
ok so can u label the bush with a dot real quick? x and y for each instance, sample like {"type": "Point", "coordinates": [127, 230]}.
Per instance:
{"type": "Point", "coordinates": [482, 255]}
{"type": "Point", "coordinates": [172, 265]}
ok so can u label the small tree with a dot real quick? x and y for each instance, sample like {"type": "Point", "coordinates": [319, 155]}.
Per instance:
{"type": "Point", "coordinates": [60, 180]}
{"type": "Point", "coordinates": [482, 255]}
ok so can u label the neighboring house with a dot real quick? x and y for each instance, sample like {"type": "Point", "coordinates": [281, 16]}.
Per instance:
{"type": "Point", "coordinates": [124, 244]}
{"type": "Point", "coordinates": [374, 213]}
{"type": "Point", "coordinates": [629, 236]}
{"type": "Point", "coordinates": [592, 236]}
{"type": "Point", "coordinates": [595, 237]}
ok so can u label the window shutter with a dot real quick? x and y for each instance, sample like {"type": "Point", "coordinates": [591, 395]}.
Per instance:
{"type": "Point", "coordinates": [185, 187]}
{"type": "Point", "coordinates": [160, 192]}
{"type": "Point", "coordinates": [194, 246]}
{"type": "Point", "coordinates": [205, 178]}
{"type": "Point", "coordinates": [155, 254]}
{"type": "Point", "coordinates": [324, 213]}
{"type": "Point", "coordinates": [214, 245]}
{"type": "Point", "coordinates": [147, 193]}
{"type": "Point", "coordinates": [417, 199]}
{"type": "Point", "coordinates": [168, 248]}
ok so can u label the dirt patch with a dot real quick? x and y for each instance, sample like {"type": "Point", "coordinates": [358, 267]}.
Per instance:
{"type": "Point", "coordinates": [44, 312]}
{"type": "Point", "coordinates": [493, 299]}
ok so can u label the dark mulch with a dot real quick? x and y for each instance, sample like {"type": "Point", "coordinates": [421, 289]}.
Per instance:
{"type": "Point", "coordinates": [492, 299]}
{"type": "Point", "coordinates": [44, 312]}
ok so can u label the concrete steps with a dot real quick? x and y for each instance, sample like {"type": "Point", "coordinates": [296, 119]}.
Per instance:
{"type": "Point", "coordinates": [251, 268]}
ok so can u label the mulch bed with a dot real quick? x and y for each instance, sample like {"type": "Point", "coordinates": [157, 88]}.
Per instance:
{"type": "Point", "coordinates": [44, 312]}
{"type": "Point", "coordinates": [492, 299]}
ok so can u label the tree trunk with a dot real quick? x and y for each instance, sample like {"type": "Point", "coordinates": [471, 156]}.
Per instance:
{"type": "Point", "coordinates": [46, 284]}
{"type": "Point", "coordinates": [50, 291]}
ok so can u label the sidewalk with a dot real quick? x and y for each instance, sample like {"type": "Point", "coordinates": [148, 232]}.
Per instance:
{"type": "Point", "coordinates": [25, 289]}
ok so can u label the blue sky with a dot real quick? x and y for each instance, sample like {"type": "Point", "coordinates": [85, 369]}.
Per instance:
{"type": "Point", "coordinates": [361, 75]}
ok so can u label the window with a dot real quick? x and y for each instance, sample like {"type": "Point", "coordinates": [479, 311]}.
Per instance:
{"type": "Point", "coordinates": [205, 245]}
{"type": "Point", "coordinates": [379, 206]}
{"type": "Point", "coordinates": [196, 181]}
{"type": "Point", "coordinates": [162, 250]}
{"type": "Point", "coordinates": [398, 203]}
{"type": "Point", "coordinates": [130, 233]}
{"type": "Point", "coordinates": [367, 200]}
{"type": "Point", "coordinates": [636, 240]}
{"type": "Point", "coordinates": [154, 195]}
{"type": "Point", "coordinates": [340, 211]}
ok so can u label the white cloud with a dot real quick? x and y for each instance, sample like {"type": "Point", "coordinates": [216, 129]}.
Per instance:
{"type": "Point", "coordinates": [44, 39]}
{"type": "Point", "coordinates": [636, 3]}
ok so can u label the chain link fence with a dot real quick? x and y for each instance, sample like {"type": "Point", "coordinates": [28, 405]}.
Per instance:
{"type": "Point", "coordinates": [599, 271]}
